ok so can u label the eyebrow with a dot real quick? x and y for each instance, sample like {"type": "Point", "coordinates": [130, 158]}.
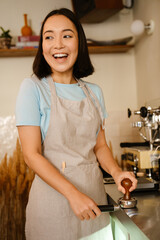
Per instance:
{"type": "Point", "coordinates": [64, 30]}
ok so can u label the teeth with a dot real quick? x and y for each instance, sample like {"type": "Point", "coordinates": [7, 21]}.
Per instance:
{"type": "Point", "coordinates": [59, 55]}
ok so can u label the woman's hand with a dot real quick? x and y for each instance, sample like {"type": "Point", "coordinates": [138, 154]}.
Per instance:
{"type": "Point", "coordinates": [119, 175]}
{"type": "Point", "coordinates": [83, 206]}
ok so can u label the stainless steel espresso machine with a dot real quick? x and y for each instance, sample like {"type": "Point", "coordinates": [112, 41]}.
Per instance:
{"type": "Point", "coordinates": [144, 157]}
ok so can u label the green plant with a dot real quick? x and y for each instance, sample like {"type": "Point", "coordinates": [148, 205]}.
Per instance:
{"type": "Point", "coordinates": [5, 34]}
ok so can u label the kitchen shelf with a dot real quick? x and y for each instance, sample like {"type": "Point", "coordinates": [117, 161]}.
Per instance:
{"type": "Point", "coordinates": [18, 52]}
{"type": "Point", "coordinates": [29, 52]}
{"type": "Point", "coordinates": [110, 49]}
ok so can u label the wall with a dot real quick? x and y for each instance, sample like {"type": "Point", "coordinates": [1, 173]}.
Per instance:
{"type": "Point", "coordinates": [147, 53]}
{"type": "Point", "coordinates": [115, 73]}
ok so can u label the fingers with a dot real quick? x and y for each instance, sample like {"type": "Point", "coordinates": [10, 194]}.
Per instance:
{"type": "Point", "coordinates": [134, 184]}
{"type": "Point", "coordinates": [134, 181]}
{"type": "Point", "coordinates": [129, 175]}
{"type": "Point", "coordinates": [96, 211]}
{"type": "Point", "coordinates": [86, 216]}
{"type": "Point", "coordinates": [83, 206]}
{"type": "Point", "coordinates": [81, 217]}
{"type": "Point", "coordinates": [121, 189]}
{"type": "Point", "coordinates": [90, 214]}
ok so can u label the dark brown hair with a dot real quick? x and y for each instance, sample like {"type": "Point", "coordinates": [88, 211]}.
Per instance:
{"type": "Point", "coordinates": [82, 67]}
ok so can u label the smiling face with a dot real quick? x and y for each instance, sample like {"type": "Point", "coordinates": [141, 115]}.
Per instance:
{"type": "Point", "coordinates": [60, 44]}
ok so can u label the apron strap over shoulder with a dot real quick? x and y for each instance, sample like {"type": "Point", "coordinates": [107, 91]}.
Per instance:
{"type": "Point", "coordinates": [89, 93]}
{"type": "Point", "coordinates": [52, 87]}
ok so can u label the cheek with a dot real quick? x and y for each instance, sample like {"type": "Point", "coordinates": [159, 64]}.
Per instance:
{"type": "Point", "coordinates": [45, 52]}
{"type": "Point", "coordinates": [45, 48]}
{"type": "Point", "coordinates": [75, 49]}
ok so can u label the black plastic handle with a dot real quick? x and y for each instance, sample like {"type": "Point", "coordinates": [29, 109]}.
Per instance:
{"type": "Point", "coordinates": [108, 208]}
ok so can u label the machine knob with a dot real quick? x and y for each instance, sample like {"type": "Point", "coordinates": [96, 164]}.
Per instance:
{"type": "Point", "coordinates": [126, 183]}
{"type": "Point", "coordinates": [129, 113]}
{"type": "Point", "coordinates": [143, 112]}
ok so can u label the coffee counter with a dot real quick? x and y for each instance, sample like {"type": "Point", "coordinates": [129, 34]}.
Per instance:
{"type": "Point", "coordinates": [140, 223]}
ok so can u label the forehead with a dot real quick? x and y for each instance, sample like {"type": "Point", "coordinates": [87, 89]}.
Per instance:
{"type": "Point", "coordinates": [59, 22]}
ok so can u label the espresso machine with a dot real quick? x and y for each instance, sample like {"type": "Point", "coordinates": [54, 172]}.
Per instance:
{"type": "Point", "coordinates": [144, 157]}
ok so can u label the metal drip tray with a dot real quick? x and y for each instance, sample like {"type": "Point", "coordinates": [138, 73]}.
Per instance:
{"type": "Point", "coordinates": [144, 184]}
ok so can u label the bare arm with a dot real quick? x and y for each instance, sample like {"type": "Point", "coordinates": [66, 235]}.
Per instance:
{"type": "Point", "coordinates": [108, 163]}
{"type": "Point", "coordinates": [30, 137]}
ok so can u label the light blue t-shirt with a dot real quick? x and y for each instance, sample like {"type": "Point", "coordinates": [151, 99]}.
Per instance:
{"type": "Point", "coordinates": [33, 101]}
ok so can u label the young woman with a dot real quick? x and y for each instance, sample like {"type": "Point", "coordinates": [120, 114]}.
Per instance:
{"type": "Point", "coordinates": [60, 123]}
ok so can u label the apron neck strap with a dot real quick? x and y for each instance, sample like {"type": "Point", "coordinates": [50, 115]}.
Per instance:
{"type": "Point", "coordinates": [52, 87]}
{"type": "Point", "coordinates": [89, 93]}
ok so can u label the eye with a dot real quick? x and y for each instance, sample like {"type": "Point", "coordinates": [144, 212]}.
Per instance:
{"type": "Point", "coordinates": [48, 37]}
{"type": "Point", "coordinates": [67, 36]}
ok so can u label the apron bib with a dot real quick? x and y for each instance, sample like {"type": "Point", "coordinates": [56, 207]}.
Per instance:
{"type": "Point", "coordinates": [70, 138]}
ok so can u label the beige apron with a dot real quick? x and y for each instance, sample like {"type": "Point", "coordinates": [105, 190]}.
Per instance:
{"type": "Point", "coordinates": [71, 137]}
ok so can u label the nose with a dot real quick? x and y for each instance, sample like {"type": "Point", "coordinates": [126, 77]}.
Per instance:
{"type": "Point", "coordinates": [59, 43]}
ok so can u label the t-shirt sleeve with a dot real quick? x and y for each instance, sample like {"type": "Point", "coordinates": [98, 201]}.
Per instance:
{"type": "Point", "coordinates": [27, 104]}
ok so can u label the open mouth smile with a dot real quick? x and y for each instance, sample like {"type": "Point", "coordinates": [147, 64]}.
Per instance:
{"type": "Point", "coordinates": [60, 55]}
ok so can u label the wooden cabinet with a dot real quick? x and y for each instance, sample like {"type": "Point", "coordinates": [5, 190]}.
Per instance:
{"type": "Point", "coordinates": [94, 11]}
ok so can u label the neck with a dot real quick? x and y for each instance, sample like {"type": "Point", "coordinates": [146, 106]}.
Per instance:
{"type": "Point", "coordinates": [63, 78]}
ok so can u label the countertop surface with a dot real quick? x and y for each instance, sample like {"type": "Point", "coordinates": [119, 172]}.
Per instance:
{"type": "Point", "coordinates": [146, 216]}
